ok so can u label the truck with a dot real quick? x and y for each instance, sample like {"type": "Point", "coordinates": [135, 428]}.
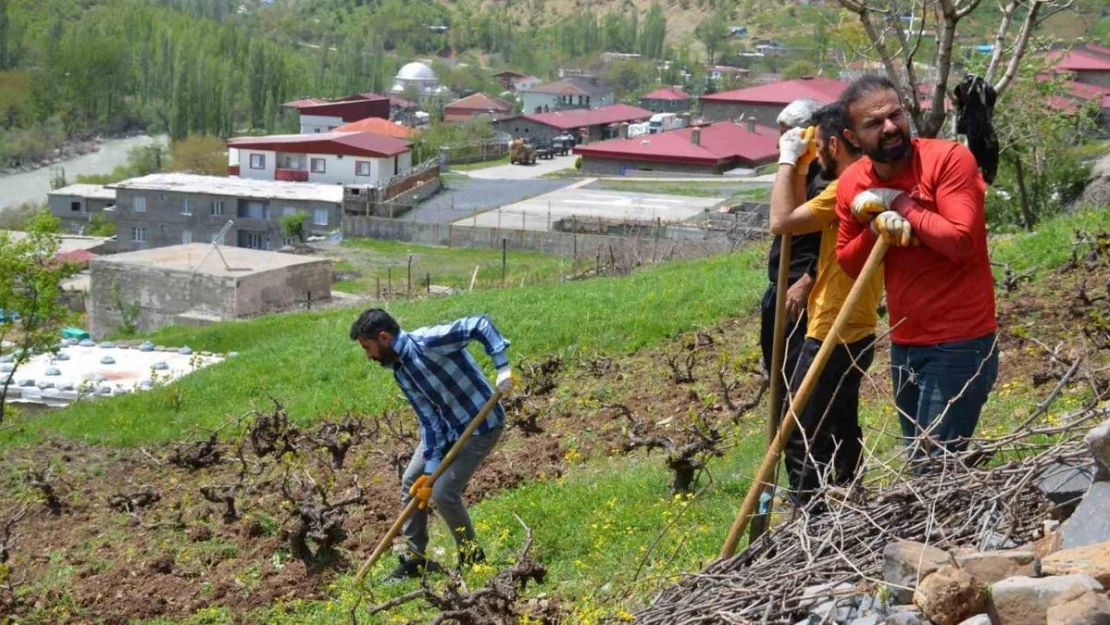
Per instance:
{"type": "Point", "coordinates": [562, 144]}
{"type": "Point", "coordinates": [662, 122]}
{"type": "Point", "coordinates": [521, 152]}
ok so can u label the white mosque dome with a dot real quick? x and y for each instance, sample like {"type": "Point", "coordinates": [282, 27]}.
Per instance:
{"type": "Point", "coordinates": [416, 71]}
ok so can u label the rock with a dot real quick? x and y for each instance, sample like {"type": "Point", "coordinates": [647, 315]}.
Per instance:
{"type": "Point", "coordinates": [61, 356]}
{"type": "Point", "coordinates": [87, 343]}
{"type": "Point", "coordinates": [107, 360]}
{"type": "Point", "coordinates": [1098, 441]}
{"type": "Point", "coordinates": [107, 345]}
{"type": "Point", "coordinates": [147, 346]}
{"type": "Point", "coordinates": [160, 366]}
{"type": "Point", "coordinates": [905, 615]}
{"type": "Point", "coordinates": [906, 563]}
{"type": "Point", "coordinates": [994, 566]}
{"type": "Point", "coordinates": [185, 351]}
{"type": "Point", "coordinates": [1065, 483]}
{"type": "Point", "coordinates": [995, 541]}
{"type": "Point", "coordinates": [1093, 560]}
{"type": "Point", "coordinates": [5, 368]}
{"type": "Point", "coordinates": [1090, 523]}
{"type": "Point", "coordinates": [978, 619]}
{"type": "Point", "coordinates": [1049, 543]}
{"type": "Point", "coordinates": [1025, 600]}
{"type": "Point", "coordinates": [53, 371]}
{"type": "Point", "coordinates": [870, 619]}
{"type": "Point", "coordinates": [950, 595]}
{"type": "Point", "coordinates": [1089, 608]}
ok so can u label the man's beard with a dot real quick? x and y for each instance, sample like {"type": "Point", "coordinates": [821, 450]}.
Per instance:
{"type": "Point", "coordinates": [890, 154]}
{"type": "Point", "coordinates": [828, 172]}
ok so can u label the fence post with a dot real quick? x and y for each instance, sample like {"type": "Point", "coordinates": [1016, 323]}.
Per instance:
{"type": "Point", "coordinates": [597, 265]}
{"type": "Point", "coordinates": [389, 283]}
{"type": "Point", "coordinates": [378, 287]}
{"type": "Point", "coordinates": [504, 259]}
{"type": "Point", "coordinates": [549, 215]}
{"type": "Point", "coordinates": [428, 277]}
{"type": "Point", "coordinates": [408, 284]}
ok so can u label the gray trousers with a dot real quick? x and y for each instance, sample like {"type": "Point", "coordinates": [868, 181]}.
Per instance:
{"type": "Point", "coordinates": [447, 492]}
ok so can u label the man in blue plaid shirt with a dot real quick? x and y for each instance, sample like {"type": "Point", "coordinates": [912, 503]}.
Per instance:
{"type": "Point", "coordinates": [446, 389]}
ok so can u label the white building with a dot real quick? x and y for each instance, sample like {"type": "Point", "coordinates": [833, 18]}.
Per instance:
{"type": "Point", "coordinates": [356, 158]}
{"type": "Point", "coordinates": [418, 78]}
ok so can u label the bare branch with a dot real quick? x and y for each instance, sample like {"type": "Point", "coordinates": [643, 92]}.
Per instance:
{"type": "Point", "coordinates": [1019, 47]}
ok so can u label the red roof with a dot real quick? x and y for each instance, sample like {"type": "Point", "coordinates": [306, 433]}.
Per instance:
{"type": "Point", "coordinates": [1085, 91]}
{"type": "Point", "coordinates": [667, 93]}
{"type": "Point", "coordinates": [601, 116]}
{"type": "Point", "coordinates": [720, 144]}
{"type": "Point", "coordinates": [80, 257]}
{"type": "Point", "coordinates": [296, 104]}
{"type": "Point", "coordinates": [345, 143]}
{"type": "Point", "coordinates": [369, 95]}
{"type": "Point", "coordinates": [400, 103]}
{"type": "Point", "coordinates": [1076, 61]}
{"type": "Point", "coordinates": [1097, 49]}
{"type": "Point", "coordinates": [378, 126]}
{"type": "Point", "coordinates": [824, 90]}
{"type": "Point", "coordinates": [479, 103]}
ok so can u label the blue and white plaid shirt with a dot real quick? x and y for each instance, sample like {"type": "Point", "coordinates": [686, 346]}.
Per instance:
{"type": "Point", "coordinates": [444, 383]}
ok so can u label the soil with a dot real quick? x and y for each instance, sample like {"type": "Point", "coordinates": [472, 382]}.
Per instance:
{"type": "Point", "coordinates": [177, 554]}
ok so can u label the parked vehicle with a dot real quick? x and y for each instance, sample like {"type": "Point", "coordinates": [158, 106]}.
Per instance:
{"type": "Point", "coordinates": [662, 122]}
{"type": "Point", "coordinates": [562, 144]}
{"type": "Point", "coordinates": [522, 152]}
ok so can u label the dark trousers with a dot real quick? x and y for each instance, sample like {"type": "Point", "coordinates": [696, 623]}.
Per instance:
{"type": "Point", "coordinates": [940, 390]}
{"type": "Point", "coordinates": [828, 439]}
{"type": "Point", "coordinates": [795, 333]}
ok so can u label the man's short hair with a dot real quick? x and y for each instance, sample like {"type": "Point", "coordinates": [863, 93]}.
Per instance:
{"type": "Point", "coordinates": [373, 322]}
{"type": "Point", "coordinates": [865, 86]}
{"type": "Point", "coordinates": [832, 119]}
{"type": "Point", "coordinates": [798, 113]}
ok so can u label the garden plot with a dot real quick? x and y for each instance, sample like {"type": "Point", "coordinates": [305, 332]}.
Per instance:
{"type": "Point", "coordinates": [85, 369]}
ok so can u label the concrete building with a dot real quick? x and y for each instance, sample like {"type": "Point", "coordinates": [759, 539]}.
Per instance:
{"type": "Point", "coordinates": [160, 210]}
{"type": "Point", "coordinates": [584, 124]}
{"type": "Point", "coordinates": [712, 149]}
{"type": "Point", "coordinates": [515, 81]}
{"type": "Point", "coordinates": [418, 79]}
{"type": "Point", "coordinates": [362, 158]}
{"type": "Point", "coordinates": [667, 100]}
{"type": "Point", "coordinates": [317, 116]}
{"type": "Point", "coordinates": [191, 284]}
{"type": "Point", "coordinates": [76, 204]}
{"type": "Point", "coordinates": [763, 103]}
{"type": "Point", "coordinates": [570, 93]}
{"type": "Point", "coordinates": [478, 105]}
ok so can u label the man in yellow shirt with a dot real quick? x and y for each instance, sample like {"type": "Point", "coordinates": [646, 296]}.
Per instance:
{"type": "Point", "coordinates": [827, 441]}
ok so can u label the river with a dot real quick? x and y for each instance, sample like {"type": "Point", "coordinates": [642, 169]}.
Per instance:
{"type": "Point", "coordinates": [32, 186]}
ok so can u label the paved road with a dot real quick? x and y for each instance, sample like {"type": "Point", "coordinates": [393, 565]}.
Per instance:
{"type": "Point", "coordinates": [462, 197]}
{"type": "Point", "coordinates": [524, 172]}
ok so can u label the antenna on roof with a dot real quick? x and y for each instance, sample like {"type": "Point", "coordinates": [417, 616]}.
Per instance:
{"type": "Point", "coordinates": [217, 240]}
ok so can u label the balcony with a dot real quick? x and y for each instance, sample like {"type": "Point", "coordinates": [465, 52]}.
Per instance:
{"type": "Point", "coordinates": [291, 175]}
{"type": "Point", "coordinates": [233, 170]}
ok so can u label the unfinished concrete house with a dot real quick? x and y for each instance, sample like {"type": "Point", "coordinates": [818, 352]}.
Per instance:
{"type": "Point", "coordinates": [199, 283]}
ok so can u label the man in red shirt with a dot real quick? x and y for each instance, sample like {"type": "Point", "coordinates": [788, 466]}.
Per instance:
{"type": "Point", "coordinates": [940, 294]}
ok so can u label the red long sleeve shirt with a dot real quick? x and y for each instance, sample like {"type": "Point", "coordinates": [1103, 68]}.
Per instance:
{"type": "Point", "coordinates": [942, 291]}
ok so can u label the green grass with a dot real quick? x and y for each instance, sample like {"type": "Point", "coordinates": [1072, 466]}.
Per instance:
{"type": "Point", "coordinates": [378, 262]}
{"type": "Point", "coordinates": [306, 361]}
{"type": "Point", "coordinates": [504, 160]}
{"type": "Point", "coordinates": [1050, 244]}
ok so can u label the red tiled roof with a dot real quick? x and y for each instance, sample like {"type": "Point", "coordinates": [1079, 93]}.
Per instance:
{"type": "Point", "coordinates": [1077, 61]}
{"type": "Point", "coordinates": [1061, 103]}
{"type": "Point", "coordinates": [479, 102]}
{"type": "Point", "coordinates": [720, 143]}
{"type": "Point", "coordinates": [345, 143]}
{"type": "Point", "coordinates": [825, 90]}
{"type": "Point", "coordinates": [1097, 49]}
{"type": "Point", "coordinates": [1085, 91]}
{"type": "Point", "coordinates": [378, 126]}
{"type": "Point", "coordinates": [666, 93]}
{"type": "Point", "coordinates": [571, 86]}
{"type": "Point", "coordinates": [601, 116]}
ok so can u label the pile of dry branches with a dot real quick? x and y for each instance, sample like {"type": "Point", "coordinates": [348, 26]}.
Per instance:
{"type": "Point", "coordinates": [960, 502]}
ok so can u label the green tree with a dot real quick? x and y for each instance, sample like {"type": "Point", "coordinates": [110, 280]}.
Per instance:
{"type": "Point", "coordinates": [799, 69]}
{"type": "Point", "coordinates": [712, 32]}
{"type": "Point", "coordinates": [99, 226]}
{"type": "Point", "coordinates": [198, 154]}
{"type": "Point", "coordinates": [31, 307]}
{"type": "Point", "coordinates": [293, 225]}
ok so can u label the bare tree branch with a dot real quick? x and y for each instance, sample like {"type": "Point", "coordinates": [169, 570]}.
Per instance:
{"type": "Point", "coordinates": [1019, 47]}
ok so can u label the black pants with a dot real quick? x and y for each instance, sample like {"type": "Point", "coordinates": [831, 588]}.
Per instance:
{"type": "Point", "coordinates": [830, 420]}
{"type": "Point", "coordinates": [795, 336]}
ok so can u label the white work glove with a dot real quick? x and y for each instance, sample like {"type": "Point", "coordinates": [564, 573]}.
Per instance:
{"type": "Point", "coordinates": [867, 204]}
{"type": "Point", "coordinates": [895, 229]}
{"type": "Point", "coordinates": [505, 380]}
{"type": "Point", "coordinates": [796, 147]}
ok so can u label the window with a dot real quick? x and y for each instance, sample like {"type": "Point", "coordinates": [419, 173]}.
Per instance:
{"type": "Point", "coordinates": [75, 207]}
{"type": "Point", "coordinates": [186, 208]}
{"type": "Point", "coordinates": [362, 168]}
{"type": "Point", "coordinates": [320, 217]}
{"type": "Point", "coordinates": [254, 240]}
{"type": "Point", "coordinates": [258, 161]}
{"type": "Point", "coordinates": [319, 166]}
{"type": "Point", "coordinates": [217, 208]}
{"type": "Point", "coordinates": [186, 236]}
{"type": "Point", "coordinates": [288, 241]}
{"type": "Point", "coordinates": [288, 210]}
{"type": "Point", "coordinates": [139, 205]}
{"type": "Point", "coordinates": [75, 229]}
{"type": "Point", "coordinates": [138, 234]}
{"type": "Point", "coordinates": [254, 210]}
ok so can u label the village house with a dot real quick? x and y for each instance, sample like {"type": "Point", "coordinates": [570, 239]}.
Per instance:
{"type": "Point", "coordinates": [515, 81]}
{"type": "Point", "coordinates": [478, 105]}
{"type": "Point", "coordinates": [708, 149]}
{"type": "Point", "coordinates": [667, 100]}
{"type": "Point", "coordinates": [570, 93]}
{"type": "Point", "coordinates": [763, 103]}
{"type": "Point", "coordinates": [75, 204]}
{"type": "Point", "coordinates": [362, 158]}
{"type": "Point", "coordinates": [172, 209]}
{"type": "Point", "coordinates": [584, 124]}
{"type": "Point", "coordinates": [316, 116]}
